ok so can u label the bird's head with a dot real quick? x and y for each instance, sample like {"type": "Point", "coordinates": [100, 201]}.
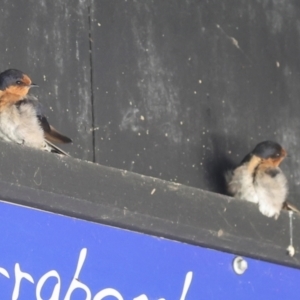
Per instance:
{"type": "Point", "coordinates": [15, 82]}
{"type": "Point", "coordinates": [269, 152]}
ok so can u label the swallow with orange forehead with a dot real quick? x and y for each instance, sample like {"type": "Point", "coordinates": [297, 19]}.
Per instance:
{"type": "Point", "coordinates": [21, 117]}
{"type": "Point", "coordinates": [259, 179]}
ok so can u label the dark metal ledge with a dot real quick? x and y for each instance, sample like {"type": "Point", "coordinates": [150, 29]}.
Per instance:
{"type": "Point", "coordinates": [101, 194]}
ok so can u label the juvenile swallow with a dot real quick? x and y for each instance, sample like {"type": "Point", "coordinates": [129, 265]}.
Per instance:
{"type": "Point", "coordinates": [259, 179]}
{"type": "Point", "coordinates": [21, 117]}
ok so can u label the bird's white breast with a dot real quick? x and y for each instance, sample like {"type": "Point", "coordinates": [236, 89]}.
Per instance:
{"type": "Point", "coordinates": [20, 124]}
{"type": "Point", "coordinates": [269, 191]}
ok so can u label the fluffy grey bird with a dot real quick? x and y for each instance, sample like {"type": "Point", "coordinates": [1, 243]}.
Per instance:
{"type": "Point", "coordinates": [259, 179]}
{"type": "Point", "coordinates": [21, 118]}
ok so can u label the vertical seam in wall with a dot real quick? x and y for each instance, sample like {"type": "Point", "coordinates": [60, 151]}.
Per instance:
{"type": "Point", "coordinates": [91, 81]}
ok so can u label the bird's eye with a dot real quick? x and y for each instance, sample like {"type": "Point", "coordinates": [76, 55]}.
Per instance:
{"type": "Point", "coordinates": [18, 82]}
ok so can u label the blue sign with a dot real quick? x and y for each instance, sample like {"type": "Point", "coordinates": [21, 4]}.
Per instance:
{"type": "Point", "coordinates": [49, 256]}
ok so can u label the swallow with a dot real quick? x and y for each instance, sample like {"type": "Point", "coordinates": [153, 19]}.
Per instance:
{"type": "Point", "coordinates": [259, 179]}
{"type": "Point", "coordinates": [21, 117]}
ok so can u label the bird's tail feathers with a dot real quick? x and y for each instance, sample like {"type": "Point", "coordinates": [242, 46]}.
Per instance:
{"type": "Point", "coordinates": [288, 206]}
{"type": "Point", "coordinates": [55, 149]}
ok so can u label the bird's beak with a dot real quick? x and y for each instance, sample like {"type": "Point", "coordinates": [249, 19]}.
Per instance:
{"type": "Point", "coordinates": [33, 85]}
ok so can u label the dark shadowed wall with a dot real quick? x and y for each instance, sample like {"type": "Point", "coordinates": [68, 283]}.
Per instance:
{"type": "Point", "coordinates": [179, 90]}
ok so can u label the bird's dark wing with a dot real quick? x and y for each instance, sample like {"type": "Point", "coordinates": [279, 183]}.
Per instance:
{"type": "Point", "coordinates": [51, 134]}
{"type": "Point", "coordinates": [44, 123]}
{"type": "Point", "coordinates": [56, 137]}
